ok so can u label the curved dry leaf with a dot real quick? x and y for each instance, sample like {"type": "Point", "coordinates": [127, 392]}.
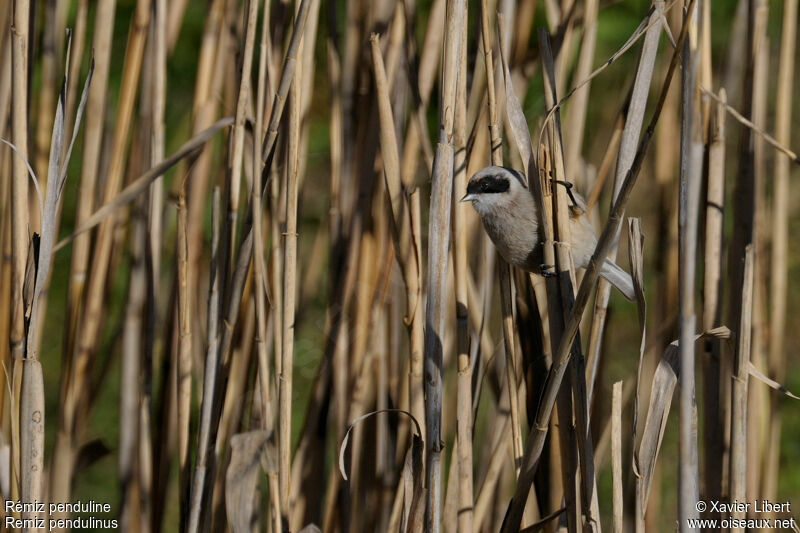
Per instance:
{"type": "Point", "coordinates": [31, 173]}
{"type": "Point", "coordinates": [346, 439]}
{"type": "Point", "coordinates": [664, 381]}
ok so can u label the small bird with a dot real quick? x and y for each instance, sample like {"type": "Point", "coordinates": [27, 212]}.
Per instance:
{"type": "Point", "coordinates": [510, 217]}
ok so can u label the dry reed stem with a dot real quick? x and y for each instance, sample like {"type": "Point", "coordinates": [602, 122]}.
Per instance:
{"type": "Point", "coordinates": [779, 258]}
{"type": "Point", "coordinates": [576, 114]}
{"type": "Point", "coordinates": [364, 361]}
{"type": "Point", "coordinates": [236, 153]}
{"type": "Point", "coordinates": [438, 245]}
{"type": "Point", "coordinates": [289, 295]}
{"type": "Point", "coordinates": [286, 78]}
{"type": "Point", "coordinates": [712, 310]}
{"type": "Point", "coordinates": [19, 179]}
{"type": "Point", "coordinates": [131, 368]}
{"type": "Point", "coordinates": [496, 147]}
{"type": "Point", "coordinates": [631, 133]}
{"type": "Point", "coordinates": [61, 463]}
{"type": "Point", "coordinates": [616, 456]}
{"type": "Point", "coordinates": [560, 295]}
{"type": "Point", "coordinates": [204, 448]}
{"type": "Point", "coordinates": [43, 126]}
{"type": "Point", "coordinates": [607, 161]}
{"type": "Point", "coordinates": [738, 465]}
{"type": "Point", "coordinates": [504, 274]}
{"type": "Point", "coordinates": [780, 195]}
{"type": "Point", "coordinates": [744, 200]}
{"type": "Point", "coordinates": [464, 420]}
{"type": "Point", "coordinates": [259, 271]}
{"type": "Point", "coordinates": [688, 211]}
{"type": "Point", "coordinates": [31, 420]}
{"type": "Point", "coordinates": [183, 362]}
{"type": "Point", "coordinates": [561, 356]}
{"type": "Point", "coordinates": [92, 316]}
{"type": "Point", "coordinates": [405, 235]}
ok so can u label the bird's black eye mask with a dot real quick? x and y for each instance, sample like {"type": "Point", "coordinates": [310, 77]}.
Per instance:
{"type": "Point", "coordinates": [488, 184]}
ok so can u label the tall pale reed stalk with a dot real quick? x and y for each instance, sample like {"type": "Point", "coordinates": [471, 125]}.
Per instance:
{"type": "Point", "coordinates": [460, 270]}
{"type": "Point", "coordinates": [741, 372]}
{"type": "Point", "coordinates": [289, 290]}
{"type": "Point", "coordinates": [438, 244]}
{"type": "Point", "coordinates": [688, 210]}
{"type": "Point", "coordinates": [780, 232]}
{"type": "Point", "coordinates": [712, 308]}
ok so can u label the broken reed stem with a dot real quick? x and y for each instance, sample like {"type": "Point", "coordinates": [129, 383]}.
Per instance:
{"type": "Point", "coordinates": [539, 429]}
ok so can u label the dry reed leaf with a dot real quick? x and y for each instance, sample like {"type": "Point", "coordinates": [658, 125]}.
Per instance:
{"type": "Point", "coordinates": [361, 418]}
{"type": "Point", "coordinates": [141, 184]}
{"type": "Point", "coordinates": [248, 451]}
{"type": "Point", "coordinates": [56, 178]}
{"type": "Point", "coordinates": [310, 528]}
{"type": "Point", "coordinates": [635, 242]}
{"type": "Point", "coordinates": [664, 381]}
{"type": "Point", "coordinates": [414, 494]}
{"type": "Point", "coordinates": [516, 120]}
{"type": "Point", "coordinates": [756, 373]}
{"type": "Point", "coordinates": [31, 173]}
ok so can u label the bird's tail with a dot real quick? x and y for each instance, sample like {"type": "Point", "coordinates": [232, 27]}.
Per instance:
{"type": "Point", "coordinates": [618, 278]}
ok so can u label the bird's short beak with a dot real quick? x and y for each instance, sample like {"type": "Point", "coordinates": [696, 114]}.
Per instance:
{"type": "Point", "coordinates": [467, 197]}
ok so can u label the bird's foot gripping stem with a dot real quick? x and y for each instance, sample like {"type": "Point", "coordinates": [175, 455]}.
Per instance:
{"type": "Point", "coordinates": [547, 271]}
